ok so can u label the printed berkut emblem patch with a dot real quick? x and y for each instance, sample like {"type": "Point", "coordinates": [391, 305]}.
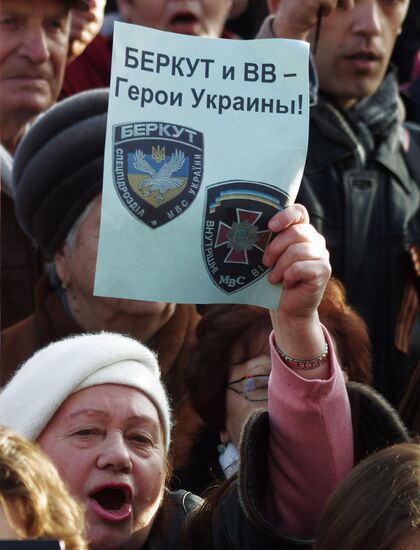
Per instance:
{"type": "Point", "coordinates": [235, 233]}
{"type": "Point", "coordinates": [157, 169]}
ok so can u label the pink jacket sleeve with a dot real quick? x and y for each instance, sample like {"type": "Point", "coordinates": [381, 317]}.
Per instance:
{"type": "Point", "coordinates": [311, 444]}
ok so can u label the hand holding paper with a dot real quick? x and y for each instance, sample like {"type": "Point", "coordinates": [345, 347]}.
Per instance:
{"type": "Point", "coordinates": [300, 261]}
{"type": "Point", "coordinates": [206, 141]}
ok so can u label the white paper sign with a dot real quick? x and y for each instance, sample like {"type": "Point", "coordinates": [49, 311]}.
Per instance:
{"type": "Point", "coordinates": [206, 140]}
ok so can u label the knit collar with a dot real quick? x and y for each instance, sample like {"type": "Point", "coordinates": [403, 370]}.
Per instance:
{"type": "Point", "coordinates": [378, 112]}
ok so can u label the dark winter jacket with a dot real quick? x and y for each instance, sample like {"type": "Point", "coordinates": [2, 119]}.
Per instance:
{"type": "Point", "coordinates": [367, 205]}
{"type": "Point", "coordinates": [361, 186]}
{"type": "Point", "coordinates": [235, 518]}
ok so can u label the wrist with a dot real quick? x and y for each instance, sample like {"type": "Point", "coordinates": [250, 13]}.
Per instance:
{"type": "Point", "coordinates": [319, 361]}
{"type": "Point", "coordinates": [300, 337]}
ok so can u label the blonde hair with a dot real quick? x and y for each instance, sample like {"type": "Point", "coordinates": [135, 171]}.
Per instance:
{"type": "Point", "coordinates": [30, 484]}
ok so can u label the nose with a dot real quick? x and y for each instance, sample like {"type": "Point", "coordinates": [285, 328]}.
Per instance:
{"type": "Point", "coordinates": [114, 454]}
{"type": "Point", "coordinates": [367, 18]}
{"type": "Point", "coordinates": [34, 45]}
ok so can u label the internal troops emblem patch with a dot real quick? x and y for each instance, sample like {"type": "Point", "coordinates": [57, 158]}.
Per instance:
{"type": "Point", "coordinates": [158, 168]}
{"type": "Point", "coordinates": [235, 233]}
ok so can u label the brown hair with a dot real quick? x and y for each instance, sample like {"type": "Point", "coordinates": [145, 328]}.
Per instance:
{"type": "Point", "coordinates": [377, 504]}
{"type": "Point", "coordinates": [31, 484]}
{"type": "Point", "coordinates": [226, 335]}
{"type": "Point", "coordinates": [231, 334]}
{"type": "Point", "coordinates": [348, 331]}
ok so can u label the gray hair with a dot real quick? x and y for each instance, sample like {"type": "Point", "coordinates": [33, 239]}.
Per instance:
{"type": "Point", "coordinates": [75, 228]}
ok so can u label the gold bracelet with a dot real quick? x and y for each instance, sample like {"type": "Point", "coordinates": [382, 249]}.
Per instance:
{"type": "Point", "coordinates": [304, 364]}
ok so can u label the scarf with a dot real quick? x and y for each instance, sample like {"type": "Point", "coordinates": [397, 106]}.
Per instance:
{"type": "Point", "coordinates": [372, 117]}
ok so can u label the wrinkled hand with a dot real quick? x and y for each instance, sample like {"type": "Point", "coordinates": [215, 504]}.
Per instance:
{"type": "Point", "coordinates": [85, 26]}
{"type": "Point", "coordinates": [296, 18]}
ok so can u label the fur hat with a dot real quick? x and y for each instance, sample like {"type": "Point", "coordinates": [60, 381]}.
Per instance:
{"type": "Point", "coordinates": [62, 368]}
{"type": "Point", "coordinates": [58, 168]}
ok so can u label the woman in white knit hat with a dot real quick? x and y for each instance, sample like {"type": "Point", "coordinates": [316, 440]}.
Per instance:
{"type": "Point", "coordinates": [96, 405]}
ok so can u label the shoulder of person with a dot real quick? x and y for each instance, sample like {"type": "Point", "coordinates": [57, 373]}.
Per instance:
{"type": "Point", "coordinates": [376, 424]}
{"type": "Point", "coordinates": [168, 525]}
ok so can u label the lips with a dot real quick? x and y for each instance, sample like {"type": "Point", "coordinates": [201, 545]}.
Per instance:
{"type": "Point", "coordinates": [365, 56]}
{"type": "Point", "coordinates": [184, 22]}
{"type": "Point", "coordinates": [112, 502]}
{"type": "Point", "coordinates": [364, 61]}
{"type": "Point", "coordinates": [27, 71]}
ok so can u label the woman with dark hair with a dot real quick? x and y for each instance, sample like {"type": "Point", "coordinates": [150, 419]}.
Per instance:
{"type": "Point", "coordinates": [377, 506]}
{"type": "Point", "coordinates": [231, 365]}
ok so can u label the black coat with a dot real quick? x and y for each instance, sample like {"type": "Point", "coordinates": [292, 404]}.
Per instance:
{"type": "Point", "coordinates": [364, 198]}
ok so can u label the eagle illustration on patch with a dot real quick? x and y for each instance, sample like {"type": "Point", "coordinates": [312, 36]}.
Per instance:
{"type": "Point", "coordinates": [235, 233]}
{"type": "Point", "coordinates": [157, 168]}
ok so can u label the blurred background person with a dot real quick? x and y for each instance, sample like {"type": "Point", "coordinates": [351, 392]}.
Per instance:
{"type": "Point", "coordinates": [205, 18]}
{"type": "Point", "coordinates": [361, 182]}
{"type": "Point", "coordinates": [85, 26]}
{"type": "Point", "coordinates": [377, 506]}
{"type": "Point", "coordinates": [34, 501]}
{"type": "Point", "coordinates": [34, 47]}
{"type": "Point", "coordinates": [37, 40]}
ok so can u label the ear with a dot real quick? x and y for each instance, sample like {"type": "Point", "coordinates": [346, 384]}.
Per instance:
{"type": "Point", "coordinates": [61, 267]}
{"type": "Point", "coordinates": [225, 437]}
{"type": "Point", "coordinates": [273, 5]}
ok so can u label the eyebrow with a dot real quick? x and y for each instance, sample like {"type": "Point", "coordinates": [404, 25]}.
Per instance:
{"type": "Point", "coordinates": [106, 414]}
{"type": "Point", "coordinates": [88, 412]}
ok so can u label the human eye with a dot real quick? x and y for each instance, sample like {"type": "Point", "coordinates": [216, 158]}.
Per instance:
{"type": "Point", "coordinates": [85, 433]}
{"type": "Point", "coordinates": [141, 439]}
{"type": "Point", "coordinates": [56, 24]}
{"type": "Point", "coordinates": [9, 22]}
{"type": "Point", "coordinates": [256, 382]}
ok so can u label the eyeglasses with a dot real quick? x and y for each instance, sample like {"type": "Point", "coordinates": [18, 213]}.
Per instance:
{"type": "Point", "coordinates": [251, 387]}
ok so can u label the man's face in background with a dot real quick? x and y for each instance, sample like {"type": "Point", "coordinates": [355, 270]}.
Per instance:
{"type": "Point", "coordinates": [193, 17]}
{"type": "Point", "coordinates": [34, 41]}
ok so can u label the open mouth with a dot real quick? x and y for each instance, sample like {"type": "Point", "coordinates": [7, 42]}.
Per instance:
{"type": "Point", "coordinates": [112, 503]}
{"type": "Point", "coordinates": [183, 22]}
{"type": "Point", "coordinates": [364, 56]}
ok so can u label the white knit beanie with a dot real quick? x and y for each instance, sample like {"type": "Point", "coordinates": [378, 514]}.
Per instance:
{"type": "Point", "coordinates": [44, 382]}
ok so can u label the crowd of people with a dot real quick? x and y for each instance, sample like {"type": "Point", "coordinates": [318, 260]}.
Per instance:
{"type": "Point", "coordinates": [128, 424]}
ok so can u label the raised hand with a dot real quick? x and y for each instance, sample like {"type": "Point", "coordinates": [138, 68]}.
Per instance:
{"type": "Point", "coordinates": [300, 262]}
{"type": "Point", "coordinates": [295, 19]}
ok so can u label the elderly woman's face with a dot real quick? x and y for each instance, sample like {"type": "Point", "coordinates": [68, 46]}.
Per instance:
{"type": "Point", "coordinates": [106, 441]}
{"type": "Point", "coordinates": [76, 264]}
{"type": "Point", "coordinates": [193, 17]}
